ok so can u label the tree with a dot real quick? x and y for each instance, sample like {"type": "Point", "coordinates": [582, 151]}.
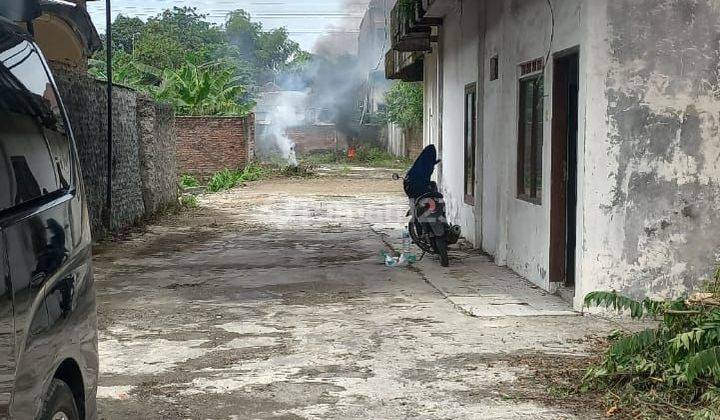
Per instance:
{"type": "Point", "coordinates": [126, 30]}
{"type": "Point", "coordinates": [275, 50]}
{"type": "Point", "coordinates": [270, 52]}
{"type": "Point", "coordinates": [243, 33]}
{"type": "Point", "coordinates": [168, 38]}
{"type": "Point", "coordinates": [180, 57]}
{"type": "Point", "coordinates": [405, 104]}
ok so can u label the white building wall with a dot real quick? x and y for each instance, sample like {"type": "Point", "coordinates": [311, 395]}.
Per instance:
{"type": "Point", "coordinates": [396, 140]}
{"type": "Point", "coordinates": [647, 210]}
{"type": "Point", "coordinates": [459, 39]}
{"type": "Point", "coordinates": [515, 232]}
{"type": "Point", "coordinates": [519, 232]}
{"type": "Point", "coordinates": [432, 109]}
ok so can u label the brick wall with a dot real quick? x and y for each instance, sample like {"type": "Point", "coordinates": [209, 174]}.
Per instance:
{"type": "Point", "coordinates": [317, 137]}
{"type": "Point", "coordinates": [206, 145]}
{"type": "Point", "coordinates": [306, 138]}
{"type": "Point", "coordinates": [142, 131]}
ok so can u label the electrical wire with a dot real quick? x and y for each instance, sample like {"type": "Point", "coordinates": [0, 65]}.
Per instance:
{"type": "Point", "coordinates": [552, 32]}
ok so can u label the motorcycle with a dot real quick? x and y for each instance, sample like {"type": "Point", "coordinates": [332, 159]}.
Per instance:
{"type": "Point", "coordinates": [428, 226]}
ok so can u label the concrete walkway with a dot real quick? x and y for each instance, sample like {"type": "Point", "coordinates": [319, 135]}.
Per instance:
{"type": "Point", "coordinates": [271, 301]}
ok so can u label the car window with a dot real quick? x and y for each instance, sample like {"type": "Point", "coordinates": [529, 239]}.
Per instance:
{"type": "Point", "coordinates": [35, 154]}
{"type": "Point", "coordinates": [28, 167]}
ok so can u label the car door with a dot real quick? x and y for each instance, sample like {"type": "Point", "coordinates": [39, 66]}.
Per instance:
{"type": "Point", "coordinates": [38, 229]}
{"type": "Point", "coordinates": [7, 334]}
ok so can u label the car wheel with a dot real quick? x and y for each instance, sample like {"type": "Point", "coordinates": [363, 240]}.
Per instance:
{"type": "Point", "coordinates": [60, 403]}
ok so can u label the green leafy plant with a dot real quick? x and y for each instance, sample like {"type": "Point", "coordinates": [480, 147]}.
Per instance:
{"type": "Point", "coordinates": [125, 71]}
{"type": "Point", "coordinates": [224, 180]}
{"type": "Point", "coordinates": [189, 181]}
{"type": "Point", "coordinates": [207, 89]}
{"type": "Point", "coordinates": [227, 178]}
{"type": "Point", "coordinates": [145, 50]}
{"type": "Point", "coordinates": [673, 367]}
{"type": "Point", "coordinates": [405, 104]}
{"type": "Point", "coordinates": [407, 8]}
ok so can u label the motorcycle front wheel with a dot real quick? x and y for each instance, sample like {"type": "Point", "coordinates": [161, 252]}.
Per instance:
{"type": "Point", "coordinates": [441, 249]}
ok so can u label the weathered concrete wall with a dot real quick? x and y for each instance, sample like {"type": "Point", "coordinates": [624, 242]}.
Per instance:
{"type": "Point", "coordinates": [206, 145]}
{"type": "Point", "coordinates": [432, 101]}
{"type": "Point", "coordinates": [395, 140]}
{"type": "Point", "coordinates": [407, 143]}
{"type": "Point", "coordinates": [655, 204]}
{"type": "Point", "coordinates": [459, 42]}
{"type": "Point", "coordinates": [158, 160]}
{"type": "Point", "coordinates": [85, 101]}
{"type": "Point", "coordinates": [86, 104]}
{"type": "Point", "coordinates": [649, 111]}
{"type": "Point", "coordinates": [517, 232]}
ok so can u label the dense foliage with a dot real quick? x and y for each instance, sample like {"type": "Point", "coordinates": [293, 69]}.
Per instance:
{"type": "Point", "coordinates": [405, 104]}
{"type": "Point", "coordinates": [673, 367]}
{"type": "Point", "coordinates": [202, 68]}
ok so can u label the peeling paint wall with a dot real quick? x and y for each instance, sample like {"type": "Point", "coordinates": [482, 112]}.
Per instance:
{"type": "Point", "coordinates": [648, 137]}
{"type": "Point", "coordinates": [653, 177]}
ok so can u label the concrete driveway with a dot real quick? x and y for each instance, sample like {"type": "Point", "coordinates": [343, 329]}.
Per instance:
{"type": "Point", "coordinates": [271, 301]}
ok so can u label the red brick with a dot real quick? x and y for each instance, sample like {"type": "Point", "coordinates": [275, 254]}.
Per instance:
{"type": "Point", "coordinates": [206, 145]}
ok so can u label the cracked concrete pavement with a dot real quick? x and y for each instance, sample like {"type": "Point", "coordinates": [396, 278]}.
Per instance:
{"type": "Point", "coordinates": [271, 301]}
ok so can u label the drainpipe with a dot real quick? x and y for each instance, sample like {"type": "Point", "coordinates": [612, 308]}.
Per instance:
{"type": "Point", "coordinates": [108, 50]}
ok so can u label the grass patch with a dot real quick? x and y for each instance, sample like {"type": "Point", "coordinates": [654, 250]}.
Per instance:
{"type": "Point", "coordinates": [188, 201]}
{"type": "Point", "coordinates": [365, 156]}
{"type": "Point", "coordinates": [303, 170]}
{"type": "Point", "coordinates": [669, 371]}
{"type": "Point", "coordinates": [189, 181]}
{"type": "Point", "coordinates": [227, 178]}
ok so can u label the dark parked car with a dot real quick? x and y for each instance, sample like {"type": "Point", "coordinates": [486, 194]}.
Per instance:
{"type": "Point", "coordinates": [48, 323]}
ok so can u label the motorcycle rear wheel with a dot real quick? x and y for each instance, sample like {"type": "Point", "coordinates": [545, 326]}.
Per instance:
{"type": "Point", "coordinates": [441, 249]}
{"type": "Point", "coordinates": [412, 229]}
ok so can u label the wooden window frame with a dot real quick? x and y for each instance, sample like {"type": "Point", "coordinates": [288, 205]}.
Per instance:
{"type": "Point", "coordinates": [535, 195]}
{"type": "Point", "coordinates": [469, 150]}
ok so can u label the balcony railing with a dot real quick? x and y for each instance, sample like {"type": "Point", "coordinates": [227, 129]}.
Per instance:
{"type": "Point", "coordinates": [411, 34]}
{"type": "Point", "coordinates": [405, 66]}
{"type": "Point", "coordinates": [411, 30]}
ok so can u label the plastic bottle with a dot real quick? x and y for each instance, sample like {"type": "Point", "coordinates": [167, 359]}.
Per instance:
{"type": "Point", "coordinates": [406, 241]}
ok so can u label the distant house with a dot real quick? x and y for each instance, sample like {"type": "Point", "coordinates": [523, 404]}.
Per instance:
{"type": "Point", "coordinates": [579, 138]}
{"type": "Point", "coordinates": [373, 41]}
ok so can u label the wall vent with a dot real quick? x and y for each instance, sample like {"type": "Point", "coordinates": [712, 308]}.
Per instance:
{"type": "Point", "coordinates": [494, 73]}
{"type": "Point", "coordinates": [529, 67]}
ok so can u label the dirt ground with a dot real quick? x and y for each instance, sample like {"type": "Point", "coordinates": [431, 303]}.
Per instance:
{"type": "Point", "coordinates": [271, 301]}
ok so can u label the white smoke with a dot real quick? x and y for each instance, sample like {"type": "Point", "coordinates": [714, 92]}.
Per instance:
{"type": "Point", "coordinates": [284, 110]}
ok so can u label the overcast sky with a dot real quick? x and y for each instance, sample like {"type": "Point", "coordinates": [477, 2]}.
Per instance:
{"type": "Point", "coordinates": [306, 20]}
